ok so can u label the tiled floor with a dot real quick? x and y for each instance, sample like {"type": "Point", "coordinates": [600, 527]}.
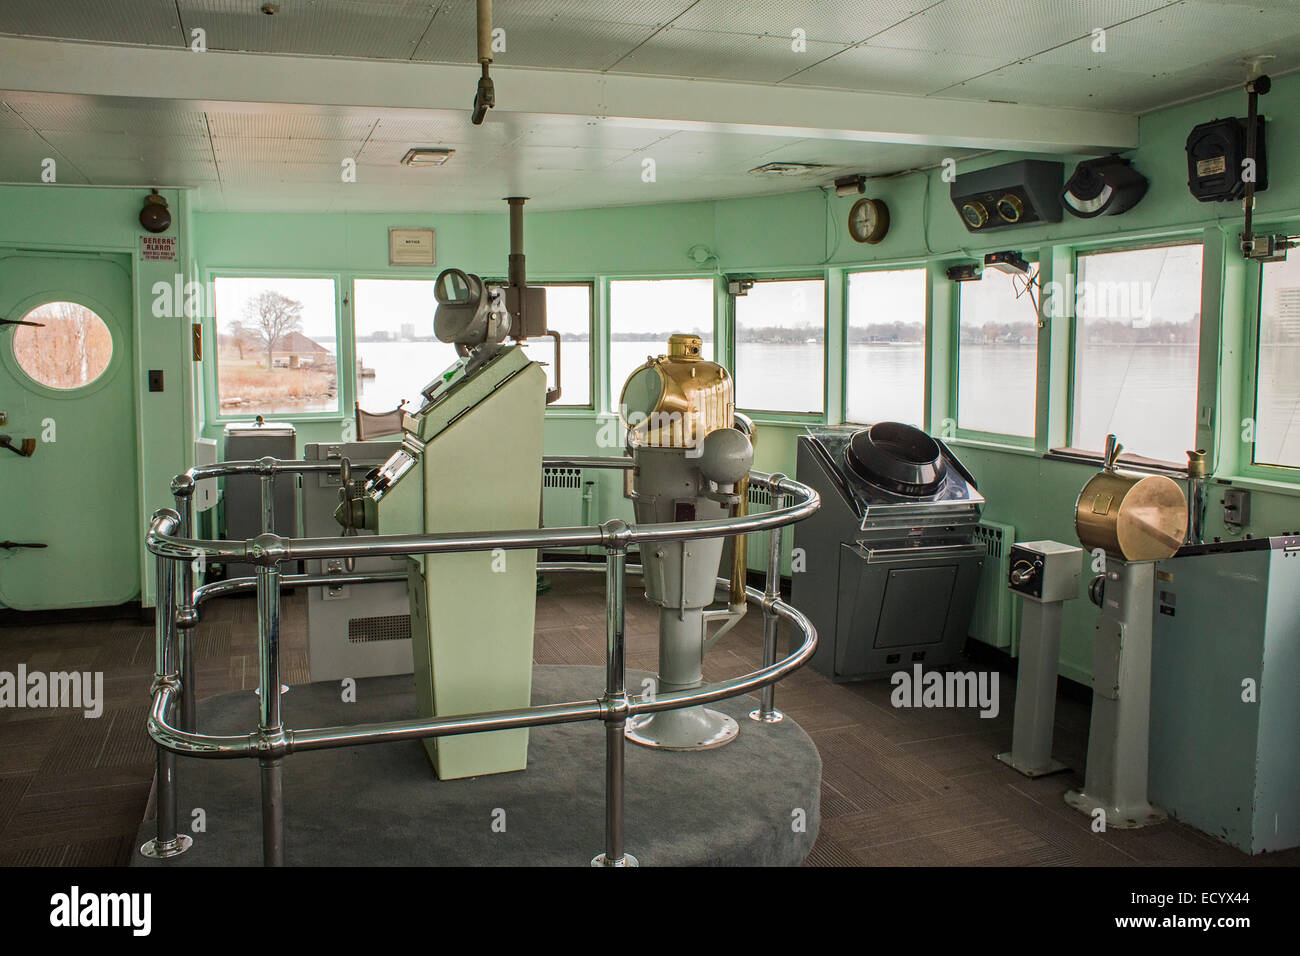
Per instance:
{"type": "Point", "coordinates": [900, 786]}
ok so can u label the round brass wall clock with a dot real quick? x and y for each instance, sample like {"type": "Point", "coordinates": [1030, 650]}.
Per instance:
{"type": "Point", "coordinates": [868, 221]}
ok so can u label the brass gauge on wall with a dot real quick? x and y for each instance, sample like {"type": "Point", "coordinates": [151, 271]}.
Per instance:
{"type": "Point", "coordinates": [869, 221]}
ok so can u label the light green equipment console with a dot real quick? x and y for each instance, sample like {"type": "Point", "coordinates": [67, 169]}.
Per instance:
{"type": "Point", "coordinates": [471, 460]}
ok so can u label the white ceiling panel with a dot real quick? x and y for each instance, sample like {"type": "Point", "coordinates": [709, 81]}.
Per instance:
{"type": "Point", "coordinates": [1008, 29]}
{"type": "Point", "coordinates": [22, 155]}
{"type": "Point", "coordinates": [1181, 38]}
{"type": "Point", "coordinates": [894, 70]}
{"type": "Point", "coordinates": [573, 41]}
{"type": "Point", "coordinates": [9, 119]}
{"type": "Point", "coordinates": [378, 29]}
{"type": "Point", "coordinates": [241, 172]}
{"type": "Point", "coordinates": [728, 56]}
{"type": "Point", "coordinates": [165, 172]}
{"type": "Point", "coordinates": [244, 149]}
{"type": "Point", "coordinates": [338, 125]}
{"type": "Point", "coordinates": [148, 22]}
{"type": "Point", "coordinates": [86, 149]}
{"type": "Point", "coordinates": [590, 134]}
{"type": "Point", "coordinates": [844, 21]}
{"type": "Point", "coordinates": [444, 129]}
{"type": "Point", "coordinates": [93, 115]}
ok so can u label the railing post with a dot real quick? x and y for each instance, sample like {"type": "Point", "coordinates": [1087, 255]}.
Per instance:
{"type": "Point", "coordinates": [186, 615]}
{"type": "Point", "coordinates": [167, 842]}
{"type": "Point", "coordinates": [615, 695]}
{"type": "Point", "coordinates": [271, 725]}
{"type": "Point", "coordinates": [767, 712]}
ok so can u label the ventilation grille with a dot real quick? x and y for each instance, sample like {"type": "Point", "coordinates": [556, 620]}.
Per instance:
{"type": "Point", "coordinates": [391, 627]}
{"type": "Point", "coordinates": [995, 620]}
{"type": "Point", "coordinates": [553, 477]}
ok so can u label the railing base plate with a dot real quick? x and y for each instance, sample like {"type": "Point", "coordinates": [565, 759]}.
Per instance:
{"type": "Point", "coordinates": [156, 850]}
{"type": "Point", "coordinates": [602, 860]}
{"type": "Point", "coordinates": [771, 717]}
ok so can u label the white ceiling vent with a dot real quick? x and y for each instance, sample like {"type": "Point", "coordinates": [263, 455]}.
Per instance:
{"type": "Point", "coordinates": [426, 156]}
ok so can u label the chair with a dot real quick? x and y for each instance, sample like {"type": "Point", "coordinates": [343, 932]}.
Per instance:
{"type": "Point", "coordinates": [371, 425]}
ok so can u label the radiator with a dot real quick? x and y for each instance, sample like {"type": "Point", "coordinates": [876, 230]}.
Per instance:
{"type": "Point", "coordinates": [996, 617]}
{"type": "Point", "coordinates": [569, 498]}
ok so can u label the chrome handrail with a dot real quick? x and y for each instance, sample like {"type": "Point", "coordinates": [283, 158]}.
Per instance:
{"type": "Point", "coordinates": [174, 691]}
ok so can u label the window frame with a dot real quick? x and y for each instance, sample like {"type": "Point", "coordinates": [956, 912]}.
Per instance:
{"type": "Point", "coordinates": [346, 388]}
{"type": "Point", "coordinates": [1035, 257]}
{"type": "Point", "coordinates": [350, 320]}
{"type": "Point", "coordinates": [1074, 252]}
{"type": "Point", "coordinates": [608, 401]}
{"type": "Point", "coordinates": [923, 266]}
{"type": "Point", "coordinates": [1247, 467]}
{"type": "Point", "coordinates": [563, 407]}
{"type": "Point", "coordinates": [773, 415]}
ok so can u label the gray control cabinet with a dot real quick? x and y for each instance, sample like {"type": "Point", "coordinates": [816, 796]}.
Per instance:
{"type": "Point", "coordinates": [1225, 712]}
{"type": "Point", "coordinates": [353, 630]}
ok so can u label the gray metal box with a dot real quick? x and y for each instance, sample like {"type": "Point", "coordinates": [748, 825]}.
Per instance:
{"type": "Point", "coordinates": [1054, 570]}
{"type": "Point", "coordinates": [245, 441]}
{"type": "Point", "coordinates": [1225, 715]}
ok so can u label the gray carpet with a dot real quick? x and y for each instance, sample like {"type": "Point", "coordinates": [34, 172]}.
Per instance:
{"type": "Point", "coordinates": [382, 804]}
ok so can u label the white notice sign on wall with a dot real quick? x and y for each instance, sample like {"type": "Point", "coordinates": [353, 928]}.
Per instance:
{"type": "Point", "coordinates": [158, 248]}
{"type": "Point", "coordinates": [410, 247]}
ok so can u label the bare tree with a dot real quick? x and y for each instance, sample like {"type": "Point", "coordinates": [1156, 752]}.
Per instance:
{"type": "Point", "coordinates": [273, 316]}
{"type": "Point", "coordinates": [239, 334]}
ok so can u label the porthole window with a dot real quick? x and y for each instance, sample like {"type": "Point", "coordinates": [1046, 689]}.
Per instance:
{"type": "Point", "coordinates": [70, 348]}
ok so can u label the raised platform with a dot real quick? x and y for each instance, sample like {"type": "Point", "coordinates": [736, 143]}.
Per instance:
{"type": "Point", "coordinates": [381, 805]}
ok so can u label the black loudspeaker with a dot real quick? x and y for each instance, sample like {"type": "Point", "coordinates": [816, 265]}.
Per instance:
{"type": "Point", "coordinates": [1014, 194]}
{"type": "Point", "coordinates": [1103, 187]}
{"type": "Point", "coordinates": [1216, 154]}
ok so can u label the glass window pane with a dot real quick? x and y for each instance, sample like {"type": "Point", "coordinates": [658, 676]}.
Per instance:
{"type": "Point", "coordinates": [1137, 338]}
{"type": "Point", "coordinates": [781, 346]}
{"type": "Point", "coordinates": [1277, 400]}
{"type": "Point", "coordinates": [277, 352]}
{"type": "Point", "coordinates": [644, 312]}
{"type": "Point", "coordinates": [568, 311]}
{"type": "Point", "coordinates": [997, 356]}
{"type": "Point", "coordinates": [71, 347]}
{"type": "Point", "coordinates": [397, 352]}
{"type": "Point", "coordinates": [884, 367]}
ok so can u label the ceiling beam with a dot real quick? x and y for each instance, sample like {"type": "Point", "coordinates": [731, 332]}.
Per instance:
{"type": "Point", "coordinates": [51, 66]}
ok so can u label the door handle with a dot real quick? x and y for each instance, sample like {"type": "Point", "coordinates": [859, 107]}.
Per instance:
{"type": "Point", "coordinates": [26, 449]}
{"type": "Point", "coordinates": [12, 545]}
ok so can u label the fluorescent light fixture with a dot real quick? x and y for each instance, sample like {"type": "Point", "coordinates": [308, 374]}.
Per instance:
{"type": "Point", "coordinates": [426, 156]}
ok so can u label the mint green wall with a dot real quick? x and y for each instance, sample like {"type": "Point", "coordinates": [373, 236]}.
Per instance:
{"type": "Point", "coordinates": [805, 231]}
{"type": "Point", "coordinates": [55, 217]}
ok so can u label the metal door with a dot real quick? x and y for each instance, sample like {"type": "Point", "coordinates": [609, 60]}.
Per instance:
{"type": "Point", "coordinates": [77, 493]}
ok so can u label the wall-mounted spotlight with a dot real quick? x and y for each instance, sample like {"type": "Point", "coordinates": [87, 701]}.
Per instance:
{"type": "Point", "coordinates": [155, 216]}
{"type": "Point", "coordinates": [965, 272]}
{"type": "Point", "coordinates": [739, 285]}
{"type": "Point", "coordinates": [1103, 187]}
{"type": "Point", "coordinates": [851, 185]}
